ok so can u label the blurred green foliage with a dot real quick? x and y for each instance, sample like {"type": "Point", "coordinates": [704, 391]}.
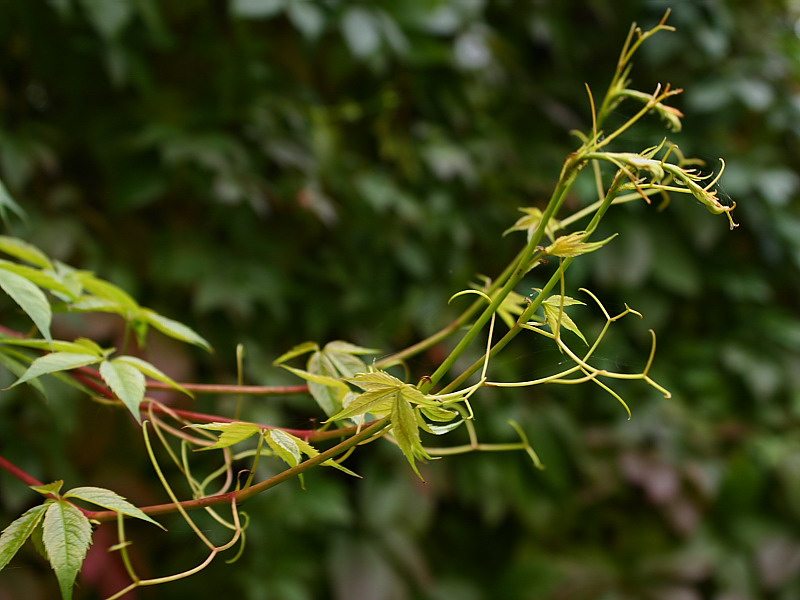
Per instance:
{"type": "Point", "coordinates": [272, 171]}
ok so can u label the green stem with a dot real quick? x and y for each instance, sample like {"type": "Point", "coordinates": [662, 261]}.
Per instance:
{"type": "Point", "coordinates": [570, 171]}
{"type": "Point", "coordinates": [551, 283]}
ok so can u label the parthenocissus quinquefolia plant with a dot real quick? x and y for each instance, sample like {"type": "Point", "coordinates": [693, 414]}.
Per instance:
{"type": "Point", "coordinates": [363, 399]}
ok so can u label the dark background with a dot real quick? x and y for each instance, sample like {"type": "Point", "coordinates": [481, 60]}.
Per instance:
{"type": "Point", "coordinates": [276, 171]}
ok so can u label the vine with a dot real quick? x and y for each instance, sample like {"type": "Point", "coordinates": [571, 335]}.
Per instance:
{"type": "Point", "coordinates": [362, 401]}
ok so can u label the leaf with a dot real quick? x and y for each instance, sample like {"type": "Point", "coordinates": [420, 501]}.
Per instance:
{"type": "Point", "coordinates": [298, 350]}
{"type": "Point", "coordinates": [9, 359]}
{"type": "Point", "coordinates": [348, 348]}
{"type": "Point", "coordinates": [232, 433]}
{"type": "Point", "coordinates": [67, 535]}
{"type": "Point", "coordinates": [111, 501]}
{"type": "Point", "coordinates": [557, 318]}
{"type": "Point", "coordinates": [17, 532]}
{"type": "Point", "coordinates": [24, 251]}
{"type": "Point", "coordinates": [49, 488]}
{"type": "Point", "coordinates": [291, 442]}
{"type": "Point", "coordinates": [127, 382]}
{"type": "Point", "coordinates": [284, 445]}
{"type": "Point", "coordinates": [327, 391]}
{"type": "Point", "coordinates": [573, 245]}
{"type": "Point", "coordinates": [7, 202]}
{"type": "Point", "coordinates": [39, 344]}
{"type": "Point", "coordinates": [151, 371]}
{"type": "Point", "coordinates": [54, 362]}
{"type": "Point", "coordinates": [378, 402]}
{"type": "Point", "coordinates": [173, 329]}
{"type": "Point", "coordinates": [376, 380]}
{"type": "Point", "coordinates": [43, 279]}
{"type": "Point", "coordinates": [105, 290]}
{"type": "Point", "coordinates": [330, 400]}
{"type": "Point", "coordinates": [406, 431]}
{"type": "Point", "coordinates": [29, 298]}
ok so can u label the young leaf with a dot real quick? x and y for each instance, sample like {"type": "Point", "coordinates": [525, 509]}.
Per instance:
{"type": "Point", "coordinates": [347, 348]}
{"type": "Point", "coordinates": [284, 445]}
{"type": "Point", "coordinates": [557, 318]}
{"type": "Point", "coordinates": [49, 488]}
{"type": "Point", "coordinates": [298, 350]}
{"type": "Point", "coordinates": [173, 329]}
{"type": "Point", "coordinates": [573, 245]}
{"type": "Point", "coordinates": [17, 532]}
{"type": "Point", "coordinates": [110, 500]}
{"type": "Point", "coordinates": [127, 383]}
{"type": "Point", "coordinates": [24, 251]}
{"type": "Point", "coordinates": [378, 402]}
{"type": "Point", "coordinates": [328, 391]}
{"type": "Point", "coordinates": [406, 431]}
{"type": "Point", "coordinates": [151, 371]}
{"type": "Point", "coordinates": [29, 298]}
{"type": "Point", "coordinates": [54, 362]}
{"type": "Point", "coordinates": [67, 535]}
{"type": "Point", "coordinates": [231, 433]}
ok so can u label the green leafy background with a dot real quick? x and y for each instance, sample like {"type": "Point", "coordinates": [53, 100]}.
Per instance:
{"type": "Point", "coordinates": [276, 171]}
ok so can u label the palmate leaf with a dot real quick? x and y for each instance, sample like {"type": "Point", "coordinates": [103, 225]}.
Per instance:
{"type": "Point", "coordinates": [556, 315]}
{"type": "Point", "coordinates": [55, 362]}
{"type": "Point", "coordinates": [67, 535]}
{"type": "Point", "coordinates": [127, 382]}
{"type": "Point", "coordinates": [336, 360]}
{"type": "Point", "coordinates": [29, 298]}
{"type": "Point", "coordinates": [14, 536]}
{"type": "Point", "coordinates": [230, 433]}
{"type": "Point", "coordinates": [110, 500]}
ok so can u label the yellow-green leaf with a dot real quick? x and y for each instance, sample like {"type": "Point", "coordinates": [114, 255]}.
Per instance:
{"type": "Point", "coordinates": [17, 532]}
{"type": "Point", "coordinates": [67, 535]}
{"type": "Point", "coordinates": [230, 433]}
{"type": "Point", "coordinates": [127, 383]}
{"type": "Point", "coordinates": [54, 362]}
{"type": "Point", "coordinates": [24, 251]}
{"type": "Point", "coordinates": [110, 500]}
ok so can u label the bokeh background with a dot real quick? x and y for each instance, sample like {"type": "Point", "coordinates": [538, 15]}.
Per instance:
{"type": "Point", "coordinates": [274, 171]}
